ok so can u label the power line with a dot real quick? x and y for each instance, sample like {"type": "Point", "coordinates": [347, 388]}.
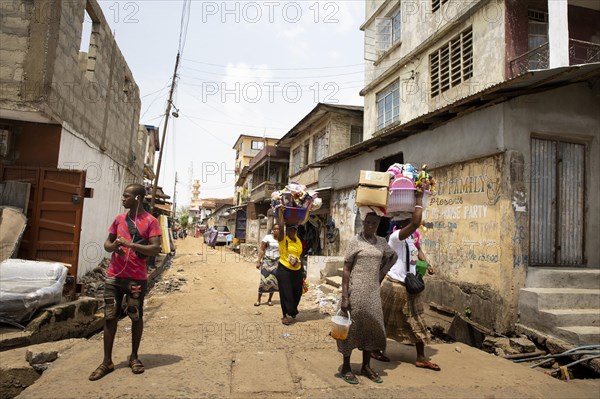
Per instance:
{"type": "Point", "coordinates": [278, 77]}
{"type": "Point", "coordinates": [277, 69]}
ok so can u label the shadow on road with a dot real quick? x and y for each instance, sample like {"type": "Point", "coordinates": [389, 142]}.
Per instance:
{"type": "Point", "coordinates": [152, 360]}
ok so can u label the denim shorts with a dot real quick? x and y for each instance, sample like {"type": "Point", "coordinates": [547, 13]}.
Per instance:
{"type": "Point", "coordinates": [115, 288]}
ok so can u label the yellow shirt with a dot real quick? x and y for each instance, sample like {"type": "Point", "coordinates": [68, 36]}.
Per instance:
{"type": "Point", "coordinates": [293, 248]}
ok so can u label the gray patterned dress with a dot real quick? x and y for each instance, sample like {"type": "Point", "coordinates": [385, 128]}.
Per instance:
{"type": "Point", "coordinates": [367, 331]}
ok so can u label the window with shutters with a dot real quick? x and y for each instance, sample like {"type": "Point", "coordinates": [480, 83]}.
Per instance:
{"type": "Point", "coordinates": [437, 4]}
{"type": "Point", "coordinates": [452, 63]}
{"type": "Point", "coordinates": [356, 134]}
{"type": "Point", "coordinates": [388, 106]}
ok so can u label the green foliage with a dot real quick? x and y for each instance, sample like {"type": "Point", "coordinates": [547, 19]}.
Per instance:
{"type": "Point", "coordinates": [183, 220]}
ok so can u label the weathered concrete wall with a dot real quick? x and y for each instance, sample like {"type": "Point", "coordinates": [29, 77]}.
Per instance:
{"type": "Point", "coordinates": [421, 34]}
{"type": "Point", "coordinates": [345, 214]}
{"type": "Point", "coordinates": [108, 179]}
{"type": "Point", "coordinates": [94, 93]}
{"type": "Point", "coordinates": [470, 238]}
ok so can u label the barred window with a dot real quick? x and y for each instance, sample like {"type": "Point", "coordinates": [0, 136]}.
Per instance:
{"type": "Point", "coordinates": [436, 4]}
{"type": "Point", "coordinates": [388, 106]}
{"type": "Point", "coordinates": [452, 63]}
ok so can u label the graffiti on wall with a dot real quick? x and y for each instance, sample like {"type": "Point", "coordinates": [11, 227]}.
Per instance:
{"type": "Point", "coordinates": [463, 220]}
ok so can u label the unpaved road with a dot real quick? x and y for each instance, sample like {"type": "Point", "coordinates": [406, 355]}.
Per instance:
{"type": "Point", "coordinates": [208, 340]}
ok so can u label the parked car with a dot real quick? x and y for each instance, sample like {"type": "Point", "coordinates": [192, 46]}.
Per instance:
{"type": "Point", "coordinates": [223, 232]}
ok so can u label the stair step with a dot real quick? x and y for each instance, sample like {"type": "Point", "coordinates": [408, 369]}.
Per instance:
{"type": "Point", "coordinates": [551, 277]}
{"type": "Point", "coordinates": [340, 271]}
{"type": "Point", "coordinates": [570, 317]}
{"type": "Point", "coordinates": [579, 335]}
{"type": "Point", "coordinates": [335, 281]}
{"type": "Point", "coordinates": [560, 298]}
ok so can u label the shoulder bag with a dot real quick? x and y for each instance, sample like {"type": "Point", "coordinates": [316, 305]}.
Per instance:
{"type": "Point", "coordinates": [414, 283]}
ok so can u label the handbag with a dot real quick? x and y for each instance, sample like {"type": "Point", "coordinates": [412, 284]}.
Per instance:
{"type": "Point", "coordinates": [291, 258]}
{"type": "Point", "coordinates": [414, 283]}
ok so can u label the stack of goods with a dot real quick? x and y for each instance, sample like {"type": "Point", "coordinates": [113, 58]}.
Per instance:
{"type": "Point", "coordinates": [406, 179]}
{"type": "Point", "coordinates": [297, 202]}
{"type": "Point", "coordinates": [372, 189]}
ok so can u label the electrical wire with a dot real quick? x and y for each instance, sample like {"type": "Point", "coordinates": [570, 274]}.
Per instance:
{"type": "Point", "coordinates": [277, 69]}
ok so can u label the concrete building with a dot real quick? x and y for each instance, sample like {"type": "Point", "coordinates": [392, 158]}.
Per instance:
{"type": "Point", "coordinates": [77, 111]}
{"type": "Point", "coordinates": [326, 130]}
{"type": "Point", "coordinates": [512, 143]}
{"type": "Point", "coordinates": [268, 171]}
{"type": "Point", "coordinates": [246, 148]}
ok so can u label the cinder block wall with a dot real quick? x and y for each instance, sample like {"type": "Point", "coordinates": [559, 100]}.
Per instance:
{"type": "Point", "coordinates": [42, 70]}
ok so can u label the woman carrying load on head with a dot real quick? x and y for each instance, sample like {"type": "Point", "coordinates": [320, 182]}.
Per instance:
{"type": "Point", "coordinates": [267, 262]}
{"type": "Point", "coordinates": [289, 270]}
{"type": "Point", "coordinates": [403, 312]}
{"type": "Point", "coordinates": [360, 295]}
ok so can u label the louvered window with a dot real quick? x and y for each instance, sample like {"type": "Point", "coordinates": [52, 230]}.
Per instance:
{"type": "Point", "coordinates": [452, 63]}
{"type": "Point", "coordinates": [436, 4]}
{"type": "Point", "coordinates": [356, 134]}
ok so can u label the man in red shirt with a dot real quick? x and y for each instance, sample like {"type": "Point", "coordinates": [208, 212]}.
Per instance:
{"type": "Point", "coordinates": [133, 236]}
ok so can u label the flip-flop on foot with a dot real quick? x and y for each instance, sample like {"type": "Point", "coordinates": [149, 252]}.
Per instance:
{"type": "Point", "coordinates": [101, 371]}
{"type": "Point", "coordinates": [428, 365]}
{"type": "Point", "coordinates": [285, 321]}
{"type": "Point", "coordinates": [372, 375]}
{"type": "Point", "coordinates": [136, 366]}
{"type": "Point", "coordinates": [257, 304]}
{"type": "Point", "coordinates": [349, 377]}
{"type": "Point", "coordinates": [270, 303]}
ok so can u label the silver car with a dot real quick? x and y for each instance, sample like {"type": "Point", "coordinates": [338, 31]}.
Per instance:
{"type": "Point", "coordinates": [222, 233]}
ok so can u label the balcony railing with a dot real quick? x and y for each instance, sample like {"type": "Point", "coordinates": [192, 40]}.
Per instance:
{"type": "Point", "coordinates": [264, 190]}
{"type": "Point", "coordinates": [537, 58]}
{"type": "Point", "coordinates": [580, 52]}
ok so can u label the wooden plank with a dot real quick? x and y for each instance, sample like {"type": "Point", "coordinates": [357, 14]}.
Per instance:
{"type": "Point", "coordinates": [16, 194]}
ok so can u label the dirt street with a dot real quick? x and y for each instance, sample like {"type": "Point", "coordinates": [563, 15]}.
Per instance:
{"type": "Point", "coordinates": [208, 340]}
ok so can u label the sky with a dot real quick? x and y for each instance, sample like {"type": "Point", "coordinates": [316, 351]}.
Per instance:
{"type": "Point", "coordinates": [247, 67]}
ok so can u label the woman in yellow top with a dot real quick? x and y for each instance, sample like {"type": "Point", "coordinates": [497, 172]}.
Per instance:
{"type": "Point", "coordinates": [289, 271]}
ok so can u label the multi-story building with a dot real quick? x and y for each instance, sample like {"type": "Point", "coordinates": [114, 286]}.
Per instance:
{"type": "Point", "coordinates": [500, 98]}
{"type": "Point", "coordinates": [69, 126]}
{"type": "Point", "coordinates": [246, 147]}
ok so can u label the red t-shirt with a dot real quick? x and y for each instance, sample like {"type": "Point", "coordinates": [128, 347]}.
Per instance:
{"type": "Point", "coordinates": [129, 265]}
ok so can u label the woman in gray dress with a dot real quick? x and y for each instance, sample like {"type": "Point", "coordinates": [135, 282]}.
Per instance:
{"type": "Point", "coordinates": [360, 296]}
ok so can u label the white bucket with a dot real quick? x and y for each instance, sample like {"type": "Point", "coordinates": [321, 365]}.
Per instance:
{"type": "Point", "coordinates": [340, 326]}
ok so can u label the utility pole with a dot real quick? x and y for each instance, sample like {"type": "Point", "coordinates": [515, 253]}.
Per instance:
{"type": "Point", "coordinates": [175, 198]}
{"type": "Point", "coordinates": [162, 142]}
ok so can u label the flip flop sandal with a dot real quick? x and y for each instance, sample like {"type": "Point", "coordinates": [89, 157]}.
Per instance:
{"type": "Point", "coordinates": [101, 371]}
{"type": "Point", "coordinates": [136, 366]}
{"type": "Point", "coordinates": [372, 375]}
{"type": "Point", "coordinates": [349, 377]}
{"type": "Point", "coordinates": [285, 321]}
{"type": "Point", "coordinates": [428, 365]}
{"type": "Point", "coordinates": [380, 356]}
{"type": "Point", "coordinates": [270, 303]}
{"type": "Point", "coordinates": [257, 304]}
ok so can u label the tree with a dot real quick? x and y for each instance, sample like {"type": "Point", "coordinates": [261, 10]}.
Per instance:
{"type": "Point", "coordinates": [183, 220]}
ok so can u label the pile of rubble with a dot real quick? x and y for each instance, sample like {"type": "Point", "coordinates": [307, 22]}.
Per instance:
{"type": "Point", "coordinates": [169, 284]}
{"type": "Point", "coordinates": [328, 303]}
{"type": "Point", "coordinates": [93, 281]}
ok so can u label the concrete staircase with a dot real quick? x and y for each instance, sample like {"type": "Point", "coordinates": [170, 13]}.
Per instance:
{"type": "Point", "coordinates": [563, 303]}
